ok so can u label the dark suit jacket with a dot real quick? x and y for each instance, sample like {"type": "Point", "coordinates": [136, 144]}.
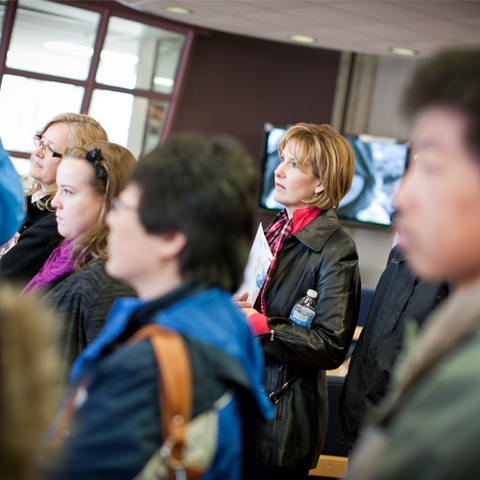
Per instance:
{"type": "Point", "coordinates": [399, 295]}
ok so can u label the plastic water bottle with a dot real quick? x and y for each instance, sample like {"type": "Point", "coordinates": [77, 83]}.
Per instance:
{"type": "Point", "coordinates": [304, 310]}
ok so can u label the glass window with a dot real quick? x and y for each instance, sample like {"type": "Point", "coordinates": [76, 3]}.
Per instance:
{"type": "Point", "coordinates": [22, 166]}
{"type": "Point", "coordinates": [3, 8]}
{"type": "Point", "coordinates": [169, 51]}
{"type": "Point", "coordinates": [135, 55]}
{"type": "Point", "coordinates": [27, 104]}
{"type": "Point", "coordinates": [53, 39]}
{"type": "Point", "coordinates": [131, 121]}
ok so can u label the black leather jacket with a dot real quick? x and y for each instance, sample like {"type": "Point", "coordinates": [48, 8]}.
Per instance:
{"type": "Point", "coordinates": [322, 257]}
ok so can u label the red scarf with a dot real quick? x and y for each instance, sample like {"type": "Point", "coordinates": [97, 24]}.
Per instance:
{"type": "Point", "coordinates": [278, 231]}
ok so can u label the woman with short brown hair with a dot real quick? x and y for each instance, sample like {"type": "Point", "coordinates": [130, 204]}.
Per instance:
{"type": "Point", "coordinates": [310, 251]}
{"type": "Point", "coordinates": [330, 157]}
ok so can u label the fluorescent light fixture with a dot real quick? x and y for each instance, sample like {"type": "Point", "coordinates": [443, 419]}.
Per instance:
{"type": "Point", "coordinates": [163, 82]}
{"type": "Point", "coordinates": [301, 38]}
{"type": "Point", "coordinates": [408, 52]}
{"type": "Point", "coordinates": [71, 48]}
{"type": "Point", "coordinates": [118, 57]}
{"type": "Point", "coordinates": [179, 10]}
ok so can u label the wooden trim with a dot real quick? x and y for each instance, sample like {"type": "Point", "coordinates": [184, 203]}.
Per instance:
{"type": "Point", "coordinates": [330, 467]}
{"type": "Point", "coordinates": [341, 371]}
{"type": "Point", "coordinates": [44, 77]}
{"type": "Point", "coordinates": [95, 86]}
{"type": "Point", "coordinates": [8, 20]}
{"type": "Point", "coordinates": [92, 72]}
{"type": "Point", "coordinates": [17, 154]}
{"type": "Point", "coordinates": [356, 334]}
{"type": "Point", "coordinates": [137, 92]}
{"type": "Point", "coordinates": [180, 77]}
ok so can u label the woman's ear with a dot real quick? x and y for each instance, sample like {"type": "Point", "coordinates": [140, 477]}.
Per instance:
{"type": "Point", "coordinates": [319, 187]}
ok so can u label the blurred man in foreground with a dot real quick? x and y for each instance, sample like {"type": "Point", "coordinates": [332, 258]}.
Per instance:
{"type": "Point", "coordinates": [430, 426]}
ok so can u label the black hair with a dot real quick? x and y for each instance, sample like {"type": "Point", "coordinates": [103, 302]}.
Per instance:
{"type": "Point", "coordinates": [451, 79]}
{"type": "Point", "coordinates": [206, 190]}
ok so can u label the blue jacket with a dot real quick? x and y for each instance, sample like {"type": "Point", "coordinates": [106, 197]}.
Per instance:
{"type": "Point", "coordinates": [117, 429]}
{"type": "Point", "coordinates": [12, 202]}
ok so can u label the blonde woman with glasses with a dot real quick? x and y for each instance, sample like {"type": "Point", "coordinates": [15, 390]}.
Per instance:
{"type": "Point", "coordinates": [38, 234]}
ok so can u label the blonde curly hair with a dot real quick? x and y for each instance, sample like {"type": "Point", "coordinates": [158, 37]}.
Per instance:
{"type": "Point", "coordinates": [83, 130]}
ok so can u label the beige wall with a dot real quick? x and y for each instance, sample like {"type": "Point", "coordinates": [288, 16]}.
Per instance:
{"type": "Point", "coordinates": [374, 107]}
{"type": "Point", "coordinates": [373, 249]}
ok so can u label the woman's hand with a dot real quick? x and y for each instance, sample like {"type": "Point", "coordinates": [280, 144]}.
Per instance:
{"type": "Point", "coordinates": [245, 307]}
{"type": "Point", "coordinates": [241, 302]}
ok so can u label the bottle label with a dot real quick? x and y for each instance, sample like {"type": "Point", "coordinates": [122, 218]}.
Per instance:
{"type": "Point", "coordinates": [300, 318]}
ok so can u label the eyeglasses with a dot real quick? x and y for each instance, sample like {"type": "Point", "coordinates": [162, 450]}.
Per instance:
{"type": "Point", "coordinates": [37, 141]}
{"type": "Point", "coordinates": [118, 206]}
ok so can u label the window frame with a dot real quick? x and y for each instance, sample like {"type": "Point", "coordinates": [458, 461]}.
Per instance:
{"type": "Point", "coordinates": [107, 9]}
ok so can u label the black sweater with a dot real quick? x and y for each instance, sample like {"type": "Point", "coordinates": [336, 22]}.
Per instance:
{"type": "Point", "coordinates": [81, 301]}
{"type": "Point", "coordinates": [38, 238]}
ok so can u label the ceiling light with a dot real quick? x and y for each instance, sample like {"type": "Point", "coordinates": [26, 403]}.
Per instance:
{"type": "Point", "coordinates": [179, 10]}
{"type": "Point", "coordinates": [408, 52]}
{"type": "Point", "coordinates": [301, 38]}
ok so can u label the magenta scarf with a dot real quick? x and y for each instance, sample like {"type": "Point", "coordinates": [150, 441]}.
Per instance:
{"type": "Point", "coordinates": [58, 264]}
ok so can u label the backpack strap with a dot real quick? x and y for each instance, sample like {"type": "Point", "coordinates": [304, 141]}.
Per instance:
{"type": "Point", "coordinates": [175, 395]}
{"type": "Point", "coordinates": [175, 388]}
{"type": "Point", "coordinates": [175, 400]}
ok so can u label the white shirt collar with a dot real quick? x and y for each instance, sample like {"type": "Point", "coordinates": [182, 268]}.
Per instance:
{"type": "Point", "coordinates": [37, 196]}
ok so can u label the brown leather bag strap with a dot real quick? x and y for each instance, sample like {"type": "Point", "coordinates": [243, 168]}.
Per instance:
{"type": "Point", "coordinates": [176, 385]}
{"type": "Point", "coordinates": [60, 429]}
{"type": "Point", "coordinates": [175, 397]}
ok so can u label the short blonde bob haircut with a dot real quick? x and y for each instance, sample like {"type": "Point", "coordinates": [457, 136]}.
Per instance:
{"type": "Point", "coordinates": [83, 130]}
{"type": "Point", "coordinates": [117, 161]}
{"type": "Point", "coordinates": [328, 154]}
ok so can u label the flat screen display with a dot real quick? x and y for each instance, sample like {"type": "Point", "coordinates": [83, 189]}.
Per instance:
{"type": "Point", "coordinates": [379, 166]}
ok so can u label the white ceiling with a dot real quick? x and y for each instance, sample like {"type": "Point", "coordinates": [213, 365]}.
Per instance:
{"type": "Point", "coordinates": [360, 26]}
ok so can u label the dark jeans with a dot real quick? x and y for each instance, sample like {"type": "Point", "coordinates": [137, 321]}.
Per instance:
{"type": "Point", "coordinates": [266, 472]}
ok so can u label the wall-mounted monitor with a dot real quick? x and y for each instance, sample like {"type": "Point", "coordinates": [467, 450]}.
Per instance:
{"type": "Point", "coordinates": [379, 166]}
